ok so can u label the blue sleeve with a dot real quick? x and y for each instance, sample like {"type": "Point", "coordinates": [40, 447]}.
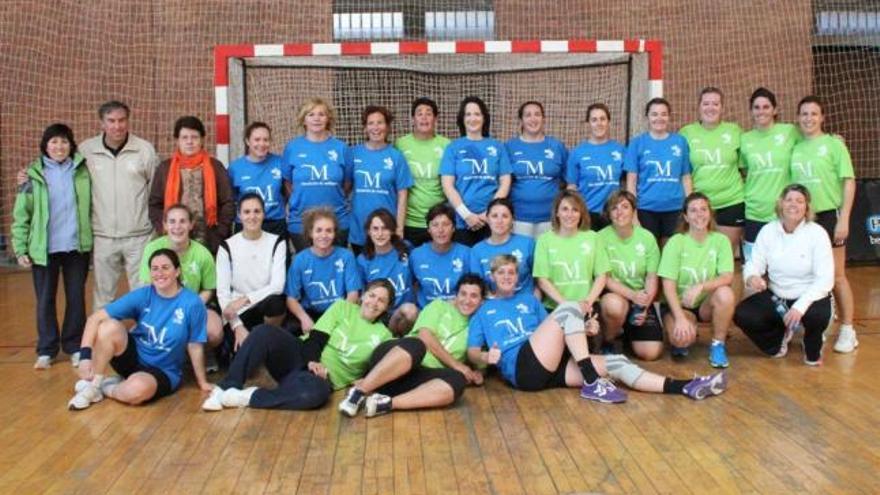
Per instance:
{"type": "Point", "coordinates": [231, 172]}
{"type": "Point", "coordinates": [476, 335]}
{"type": "Point", "coordinates": [404, 177]}
{"type": "Point", "coordinates": [504, 166]}
{"type": "Point", "coordinates": [540, 310]}
{"type": "Point", "coordinates": [129, 306]}
{"type": "Point", "coordinates": [287, 156]}
{"type": "Point", "coordinates": [631, 159]}
{"type": "Point", "coordinates": [363, 269]}
{"type": "Point", "coordinates": [572, 171]}
{"type": "Point", "coordinates": [352, 277]}
{"type": "Point", "coordinates": [473, 263]}
{"type": "Point", "coordinates": [686, 156]}
{"type": "Point", "coordinates": [563, 160]}
{"type": "Point", "coordinates": [348, 164]}
{"type": "Point", "coordinates": [447, 163]}
{"type": "Point", "coordinates": [292, 285]}
{"type": "Point", "coordinates": [198, 322]}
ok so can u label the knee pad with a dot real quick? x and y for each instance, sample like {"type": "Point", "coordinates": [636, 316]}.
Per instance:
{"type": "Point", "coordinates": [569, 317]}
{"type": "Point", "coordinates": [622, 369]}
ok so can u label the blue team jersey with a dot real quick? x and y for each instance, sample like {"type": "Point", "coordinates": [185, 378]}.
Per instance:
{"type": "Point", "coordinates": [318, 172]}
{"type": "Point", "coordinates": [389, 266]}
{"type": "Point", "coordinates": [596, 170]}
{"type": "Point", "coordinates": [377, 177]}
{"type": "Point", "coordinates": [265, 178]}
{"type": "Point", "coordinates": [538, 170]}
{"type": "Point", "coordinates": [165, 325]}
{"type": "Point", "coordinates": [477, 167]}
{"type": "Point", "coordinates": [437, 273]}
{"type": "Point", "coordinates": [660, 165]}
{"type": "Point", "coordinates": [507, 322]}
{"type": "Point", "coordinates": [317, 282]}
{"type": "Point", "coordinates": [520, 246]}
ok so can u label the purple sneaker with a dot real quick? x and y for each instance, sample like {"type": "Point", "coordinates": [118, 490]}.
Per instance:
{"type": "Point", "coordinates": [603, 390]}
{"type": "Point", "coordinates": [706, 386]}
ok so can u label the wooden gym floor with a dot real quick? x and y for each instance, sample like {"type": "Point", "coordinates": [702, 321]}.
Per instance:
{"type": "Point", "coordinates": [781, 428]}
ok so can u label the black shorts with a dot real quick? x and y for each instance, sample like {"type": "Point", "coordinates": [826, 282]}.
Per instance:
{"type": "Point", "coordinates": [273, 305]}
{"type": "Point", "coordinates": [416, 235]}
{"type": "Point", "coordinates": [470, 237]}
{"type": "Point", "coordinates": [828, 220]}
{"type": "Point", "coordinates": [532, 376]}
{"type": "Point", "coordinates": [664, 310]}
{"type": "Point", "coordinates": [598, 221]}
{"type": "Point", "coordinates": [418, 375]}
{"type": "Point", "coordinates": [731, 216]}
{"type": "Point", "coordinates": [649, 331]}
{"type": "Point", "coordinates": [751, 229]}
{"type": "Point", "coordinates": [660, 223]}
{"type": "Point", "coordinates": [128, 363]}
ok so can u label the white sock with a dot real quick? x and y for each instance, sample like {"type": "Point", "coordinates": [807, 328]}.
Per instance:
{"type": "Point", "coordinates": [846, 326]}
{"type": "Point", "coordinates": [716, 341]}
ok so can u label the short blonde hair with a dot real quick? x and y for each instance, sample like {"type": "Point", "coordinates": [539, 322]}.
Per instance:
{"type": "Point", "coordinates": [503, 260]}
{"type": "Point", "coordinates": [309, 105]}
{"type": "Point", "coordinates": [809, 215]}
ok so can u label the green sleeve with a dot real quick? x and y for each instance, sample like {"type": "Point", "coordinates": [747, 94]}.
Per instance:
{"type": "Point", "coordinates": [541, 265]}
{"type": "Point", "coordinates": [602, 265]}
{"type": "Point", "coordinates": [671, 258]}
{"type": "Point", "coordinates": [428, 318]}
{"type": "Point", "coordinates": [149, 249]}
{"type": "Point", "coordinates": [208, 269]}
{"type": "Point", "coordinates": [331, 318]}
{"type": "Point", "coordinates": [725, 253]}
{"type": "Point", "coordinates": [844, 161]}
{"type": "Point", "coordinates": [652, 258]}
{"type": "Point", "coordinates": [22, 214]}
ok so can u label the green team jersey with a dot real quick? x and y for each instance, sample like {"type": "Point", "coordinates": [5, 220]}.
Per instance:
{"type": "Point", "coordinates": [423, 158]}
{"type": "Point", "coordinates": [352, 341]}
{"type": "Point", "coordinates": [765, 156]}
{"type": "Point", "coordinates": [197, 268]}
{"type": "Point", "coordinates": [631, 259]}
{"type": "Point", "coordinates": [689, 262]}
{"type": "Point", "coordinates": [449, 327]}
{"type": "Point", "coordinates": [821, 164]}
{"type": "Point", "coordinates": [715, 162]}
{"type": "Point", "coordinates": [570, 263]}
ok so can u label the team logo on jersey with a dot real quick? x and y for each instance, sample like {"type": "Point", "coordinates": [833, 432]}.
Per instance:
{"type": "Point", "coordinates": [492, 151]}
{"type": "Point", "coordinates": [640, 249]}
{"type": "Point", "coordinates": [358, 160]}
{"type": "Point", "coordinates": [726, 138]}
{"type": "Point", "coordinates": [438, 151]}
{"type": "Point", "coordinates": [333, 155]}
{"type": "Point", "coordinates": [713, 255]}
{"type": "Point", "coordinates": [518, 255]}
{"type": "Point", "coordinates": [522, 308]}
{"type": "Point", "coordinates": [245, 177]}
{"type": "Point", "coordinates": [676, 150]}
{"type": "Point", "coordinates": [389, 163]}
{"type": "Point", "coordinates": [779, 139]}
{"type": "Point", "coordinates": [548, 153]}
{"type": "Point", "coordinates": [823, 150]}
{"type": "Point", "coordinates": [340, 265]}
{"type": "Point", "coordinates": [695, 141]}
{"type": "Point", "coordinates": [457, 264]}
{"type": "Point", "coordinates": [192, 268]}
{"type": "Point", "coordinates": [276, 173]}
{"type": "Point", "coordinates": [585, 248]}
{"type": "Point", "coordinates": [178, 316]}
{"type": "Point", "coordinates": [301, 155]}
{"type": "Point", "coordinates": [517, 153]}
{"type": "Point", "coordinates": [646, 152]}
{"type": "Point", "coordinates": [616, 156]}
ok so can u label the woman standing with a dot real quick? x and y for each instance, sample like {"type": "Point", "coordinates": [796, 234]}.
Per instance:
{"type": "Point", "coordinates": [821, 162]}
{"type": "Point", "coordinates": [170, 320]}
{"type": "Point", "coordinates": [658, 172]}
{"type": "Point", "coordinates": [538, 166]}
{"type": "Point", "coordinates": [765, 155]}
{"type": "Point", "coordinates": [631, 287]}
{"type": "Point", "coordinates": [380, 175]}
{"type": "Point", "coordinates": [595, 167]}
{"type": "Point", "coordinates": [697, 270]}
{"type": "Point", "coordinates": [264, 173]}
{"type": "Point", "coordinates": [793, 251]}
{"type": "Point", "coordinates": [52, 235]}
{"type": "Point", "coordinates": [317, 171]}
{"type": "Point", "coordinates": [714, 154]}
{"type": "Point", "coordinates": [198, 181]}
{"type": "Point", "coordinates": [475, 169]}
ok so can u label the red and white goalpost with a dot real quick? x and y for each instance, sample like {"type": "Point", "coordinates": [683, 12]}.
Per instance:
{"type": "Point", "coordinates": [266, 82]}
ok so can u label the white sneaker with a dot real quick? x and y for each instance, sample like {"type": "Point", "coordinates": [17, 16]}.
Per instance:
{"type": "Point", "coordinates": [74, 359]}
{"type": "Point", "coordinates": [233, 397]}
{"type": "Point", "coordinates": [846, 340]}
{"type": "Point", "coordinates": [377, 405]}
{"type": "Point", "coordinates": [81, 385]}
{"type": "Point", "coordinates": [85, 398]}
{"type": "Point", "coordinates": [43, 362]}
{"type": "Point", "coordinates": [109, 383]}
{"type": "Point", "coordinates": [213, 402]}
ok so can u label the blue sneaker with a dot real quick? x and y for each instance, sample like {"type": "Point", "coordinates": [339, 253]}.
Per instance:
{"type": "Point", "coordinates": [679, 352]}
{"type": "Point", "coordinates": [718, 355]}
{"type": "Point", "coordinates": [706, 386]}
{"type": "Point", "coordinates": [603, 390]}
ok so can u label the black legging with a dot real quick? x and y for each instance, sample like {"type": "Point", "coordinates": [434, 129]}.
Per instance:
{"type": "Point", "coordinates": [282, 354]}
{"type": "Point", "coordinates": [758, 319]}
{"type": "Point", "coordinates": [418, 374]}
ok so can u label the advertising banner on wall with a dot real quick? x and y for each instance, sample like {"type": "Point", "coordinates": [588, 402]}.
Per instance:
{"type": "Point", "coordinates": [864, 228]}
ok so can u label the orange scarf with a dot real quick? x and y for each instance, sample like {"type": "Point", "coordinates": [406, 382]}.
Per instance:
{"type": "Point", "coordinates": [172, 184]}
